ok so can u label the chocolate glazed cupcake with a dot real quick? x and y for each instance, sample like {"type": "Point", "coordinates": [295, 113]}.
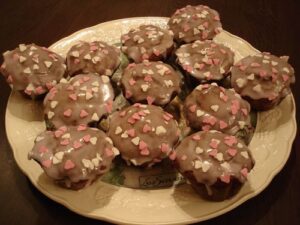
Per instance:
{"type": "Point", "coordinates": [32, 70]}
{"type": "Point", "coordinates": [263, 80]}
{"type": "Point", "coordinates": [74, 157]}
{"type": "Point", "coordinates": [193, 23]}
{"type": "Point", "coordinates": [216, 164]}
{"type": "Point", "coordinates": [212, 107]}
{"type": "Point", "coordinates": [150, 82]}
{"type": "Point", "coordinates": [204, 62]}
{"type": "Point", "coordinates": [93, 57]}
{"type": "Point", "coordinates": [147, 42]}
{"type": "Point", "coordinates": [144, 134]}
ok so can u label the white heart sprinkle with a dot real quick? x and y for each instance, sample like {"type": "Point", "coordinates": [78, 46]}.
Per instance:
{"type": "Point", "coordinates": [93, 140]}
{"type": "Point", "coordinates": [53, 104]}
{"type": "Point", "coordinates": [135, 140]}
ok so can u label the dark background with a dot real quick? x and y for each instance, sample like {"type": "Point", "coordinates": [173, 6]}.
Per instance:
{"type": "Point", "coordinates": [269, 25]}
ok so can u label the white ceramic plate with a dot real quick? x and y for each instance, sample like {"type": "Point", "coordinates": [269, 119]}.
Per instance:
{"type": "Point", "coordinates": [270, 146]}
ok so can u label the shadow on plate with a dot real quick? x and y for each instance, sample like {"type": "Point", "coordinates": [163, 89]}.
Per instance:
{"type": "Point", "coordinates": [24, 108]}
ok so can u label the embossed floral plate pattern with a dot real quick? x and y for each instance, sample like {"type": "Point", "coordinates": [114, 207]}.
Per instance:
{"type": "Point", "coordinates": [270, 146]}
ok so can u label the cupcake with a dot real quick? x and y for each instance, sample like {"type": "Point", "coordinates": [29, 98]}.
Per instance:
{"type": "Point", "coordinates": [74, 157]}
{"type": "Point", "coordinates": [144, 134]}
{"type": "Point", "coordinates": [150, 82]}
{"type": "Point", "coordinates": [205, 61]}
{"type": "Point", "coordinates": [211, 107]}
{"type": "Point", "coordinates": [94, 57]}
{"type": "Point", "coordinates": [214, 163]}
{"type": "Point", "coordinates": [32, 70]}
{"type": "Point", "coordinates": [193, 23]}
{"type": "Point", "coordinates": [147, 42]}
{"type": "Point", "coordinates": [263, 79]}
{"type": "Point", "coordinates": [85, 99]}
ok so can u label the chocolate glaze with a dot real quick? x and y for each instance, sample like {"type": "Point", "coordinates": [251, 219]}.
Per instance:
{"type": "Point", "coordinates": [74, 156]}
{"type": "Point", "coordinates": [262, 79]}
{"type": "Point", "coordinates": [94, 57]}
{"type": "Point", "coordinates": [211, 107]}
{"type": "Point", "coordinates": [206, 61]}
{"type": "Point", "coordinates": [82, 100]}
{"type": "Point", "coordinates": [144, 134]}
{"type": "Point", "coordinates": [32, 69]}
{"type": "Point", "coordinates": [150, 82]}
{"type": "Point", "coordinates": [193, 23]}
{"type": "Point", "coordinates": [147, 42]}
{"type": "Point", "coordinates": [212, 156]}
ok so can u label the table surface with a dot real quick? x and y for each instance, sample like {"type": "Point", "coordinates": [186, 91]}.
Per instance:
{"type": "Point", "coordinates": [269, 25]}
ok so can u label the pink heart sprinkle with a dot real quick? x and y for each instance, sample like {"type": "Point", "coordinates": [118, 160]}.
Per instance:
{"type": "Point", "coordinates": [142, 113]}
{"type": "Point", "coordinates": [244, 172]}
{"type": "Point", "coordinates": [217, 18]}
{"type": "Point", "coordinates": [225, 178]}
{"type": "Point", "coordinates": [196, 137]}
{"type": "Point", "coordinates": [213, 152]}
{"type": "Point", "coordinates": [109, 152]}
{"type": "Point", "coordinates": [262, 73]}
{"type": "Point", "coordinates": [145, 56]}
{"type": "Point", "coordinates": [210, 120]}
{"type": "Point", "coordinates": [132, 82]}
{"type": "Point", "coordinates": [232, 151]}
{"type": "Point", "coordinates": [235, 106]}
{"type": "Point", "coordinates": [122, 113]}
{"type": "Point", "coordinates": [214, 143]}
{"type": "Point", "coordinates": [148, 78]}
{"type": "Point", "coordinates": [205, 24]}
{"type": "Point", "coordinates": [46, 163]}
{"type": "Point", "coordinates": [70, 88]}
{"type": "Point", "coordinates": [131, 120]}
{"type": "Point", "coordinates": [63, 128]}
{"type": "Point", "coordinates": [230, 140]}
{"type": "Point", "coordinates": [216, 61]}
{"type": "Point", "coordinates": [131, 132]}
{"type": "Point", "coordinates": [136, 116]}
{"type": "Point", "coordinates": [145, 152]}
{"type": "Point", "coordinates": [188, 68]}
{"type": "Point", "coordinates": [83, 113]}
{"type": "Point", "coordinates": [76, 61]}
{"type": "Point", "coordinates": [43, 149]}
{"type": "Point", "coordinates": [223, 51]}
{"type": "Point", "coordinates": [243, 67]}
{"type": "Point", "coordinates": [86, 78]}
{"type": "Point", "coordinates": [146, 128]}
{"type": "Point", "coordinates": [285, 77]}
{"type": "Point", "coordinates": [73, 97]}
{"type": "Point", "coordinates": [81, 127]}
{"type": "Point", "coordinates": [150, 100]}
{"type": "Point", "coordinates": [93, 47]}
{"type": "Point", "coordinates": [164, 147]}
{"type": "Point", "coordinates": [156, 52]}
{"type": "Point", "coordinates": [192, 108]}
{"type": "Point", "coordinates": [69, 165]}
{"type": "Point", "coordinates": [206, 127]}
{"type": "Point", "coordinates": [108, 106]}
{"type": "Point", "coordinates": [142, 145]}
{"type": "Point", "coordinates": [128, 94]}
{"type": "Point", "coordinates": [131, 65]}
{"type": "Point", "coordinates": [49, 85]}
{"type": "Point", "coordinates": [172, 156]}
{"type": "Point", "coordinates": [68, 113]}
{"type": "Point", "coordinates": [244, 111]}
{"type": "Point", "coordinates": [223, 124]}
{"type": "Point", "coordinates": [86, 138]}
{"type": "Point", "coordinates": [77, 144]}
{"type": "Point", "coordinates": [65, 142]}
{"type": "Point", "coordinates": [39, 90]}
{"type": "Point", "coordinates": [58, 133]}
{"type": "Point", "coordinates": [254, 64]}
